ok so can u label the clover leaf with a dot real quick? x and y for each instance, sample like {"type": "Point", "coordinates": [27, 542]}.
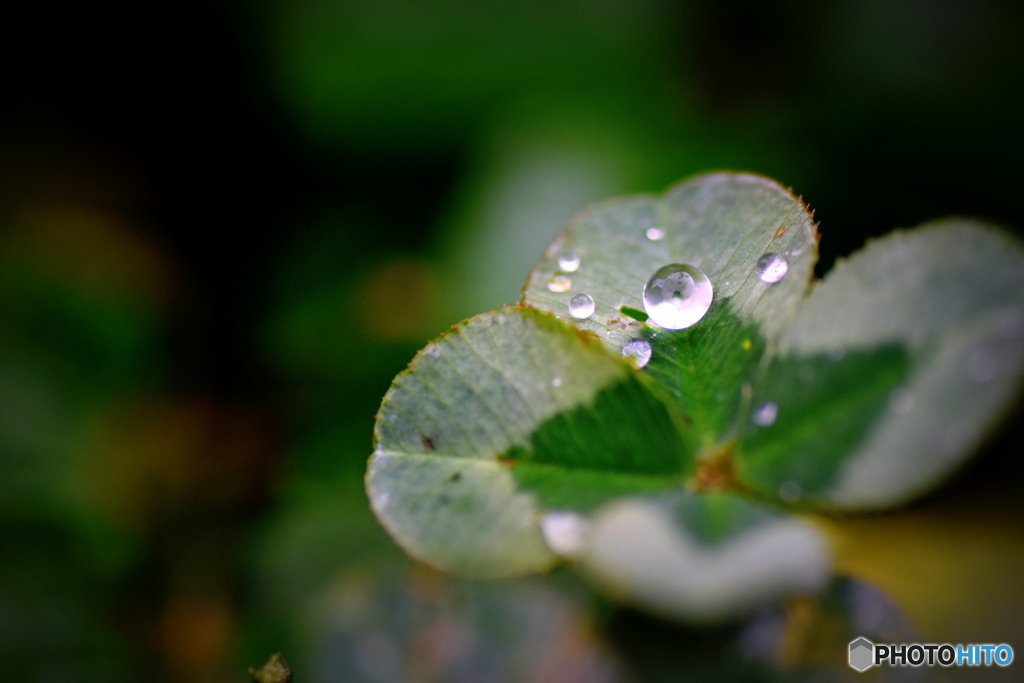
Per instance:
{"type": "Point", "coordinates": [577, 426]}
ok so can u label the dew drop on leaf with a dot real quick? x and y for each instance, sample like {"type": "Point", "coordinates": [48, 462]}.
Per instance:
{"type": "Point", "coordinates": [771, 268]}
{"type": "Point", "coordinates": [655, 234]}
{"type": "Point", "coordinates": [569, 263]}
{"type": "Point", "coordinates": [677, 296]}
{"type": "Point", "coordinates": [764, 415]}
{"type": "Point", "coordinates": [581, 306]}
{"type": "Point", "coordinates": [559, 283]}
{"type": "Point", "coordinates": [556, 382]}
{"type": "Point", "coordinates": [639, 350]}
{"type": "Point", "coordinates": [564, 532]}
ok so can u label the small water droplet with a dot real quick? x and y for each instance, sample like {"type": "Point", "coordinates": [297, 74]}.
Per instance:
{"type": "Point", "coordinates": [677, 296]}
{"type": "Point", "coordinates": [559, 283]}
{"type": "Point", "coordinates": [790, 491]}
{"type": "Point", "coordinates": [771, 268]}
{"type": "Point", "coordinates": [434, 351]}
{"type": "Point", "coordinates": [764, 416]}
{"type": "Point", "coordinates": [581, 306]}
{"type": "Point", "coordinates": [564, 532]}
{"type": "Point", "coordinates": [655, 234]}
{"type": "Point", "coordinates": [982, 366]}
{"type": "Point", "coordinates": [901, 401]}
{"type": "Point", "coordinates": [556, 382]}
{"type": "Point", "coordinates": [639, 350]}
{"type": "Point", "coordinates": [569, 263]}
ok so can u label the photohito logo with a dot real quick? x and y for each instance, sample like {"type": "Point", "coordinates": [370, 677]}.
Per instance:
{"type": "Point", "coordinates": [864, 654]}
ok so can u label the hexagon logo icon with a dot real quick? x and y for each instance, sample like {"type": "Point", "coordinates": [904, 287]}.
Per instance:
{"type": "Point", "coordinates": [862, 654]}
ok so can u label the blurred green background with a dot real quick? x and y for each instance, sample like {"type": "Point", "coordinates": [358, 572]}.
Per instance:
{"type": "Point", "coordinates": [225, 226]}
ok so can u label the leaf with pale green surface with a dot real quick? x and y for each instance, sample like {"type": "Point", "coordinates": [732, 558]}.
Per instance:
{"type": "Point", "coordinates": [509, 414]}
{"type": "Point", "coordinates": [874, 384]}
{"type": "Point", "coordinates": [951, 295]}
{"type": "Point", "coordinates": [720, 223]}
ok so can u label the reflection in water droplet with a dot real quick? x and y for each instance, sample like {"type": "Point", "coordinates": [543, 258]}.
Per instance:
{"type": "Point", "coordinates": [790, 491]}
{"type": "Point", "coordinates": [655, 234]}
{"type": "Point", "coordinates": [556, 382]}
{"type": "Point", "coordinates": [982, 366]}
{"type": "Point", "coordinates": [581, 306]}
{"type": "Point", "coordinates": [677, 296]}
{"type": "Point", "coordinates": [901, 401]}
{"type": "Point", "coordinates": [639, 350]}
{"type": "Point", "coordinates": [771, 268]}
{"type": "Point", "coordinates": [559, 283]}
{"type": "Point", "coordinates": [765, 415]}
{"type": "Point", "coordinates": [569, 263]}
{"type": "Point", "coordinates": [564, 532]}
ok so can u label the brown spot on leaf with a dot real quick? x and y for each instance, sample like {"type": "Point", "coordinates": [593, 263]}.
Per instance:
{"type": "Point", "coordinates": [715, 472]}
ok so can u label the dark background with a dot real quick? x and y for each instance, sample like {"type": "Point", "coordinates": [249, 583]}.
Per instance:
{"type": "Point", "coordinates": [225, 226]}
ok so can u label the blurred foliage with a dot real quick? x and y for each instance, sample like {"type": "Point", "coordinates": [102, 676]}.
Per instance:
{"type": "Point", "coordinates": [225, 226]}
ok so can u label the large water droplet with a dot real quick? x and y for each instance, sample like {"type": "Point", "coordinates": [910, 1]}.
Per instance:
{"type": "Point", "coordinates": [639, 350]}
{"type": "Point", "coordinates": [569, 263]}
{"type": "Point", "coordinates": [655, 234]}
{"type": "Point", "coordinates": [771, 268]}
{"type": "Point", "coordinates": [564, 532]}
{"type": "Point", "coordinates": [677, 296]}
{"type": "Point", "coordinates": [581, 306]}
{"type": "Point", "coordinates": [765, 415]}
{"type": "Point", "coordinates": [559, 283]}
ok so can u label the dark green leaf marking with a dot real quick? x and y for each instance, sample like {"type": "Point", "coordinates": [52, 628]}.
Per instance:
{"type": "Point", "coordinates": [826, 407]}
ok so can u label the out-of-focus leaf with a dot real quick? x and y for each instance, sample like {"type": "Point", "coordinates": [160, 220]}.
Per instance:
{"type": "Point", "coordinates": [701, 557]}
{"type": "Point", "coordinates": [365, 627]}
{"type": "Point", "coordinates": [951, 295]}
